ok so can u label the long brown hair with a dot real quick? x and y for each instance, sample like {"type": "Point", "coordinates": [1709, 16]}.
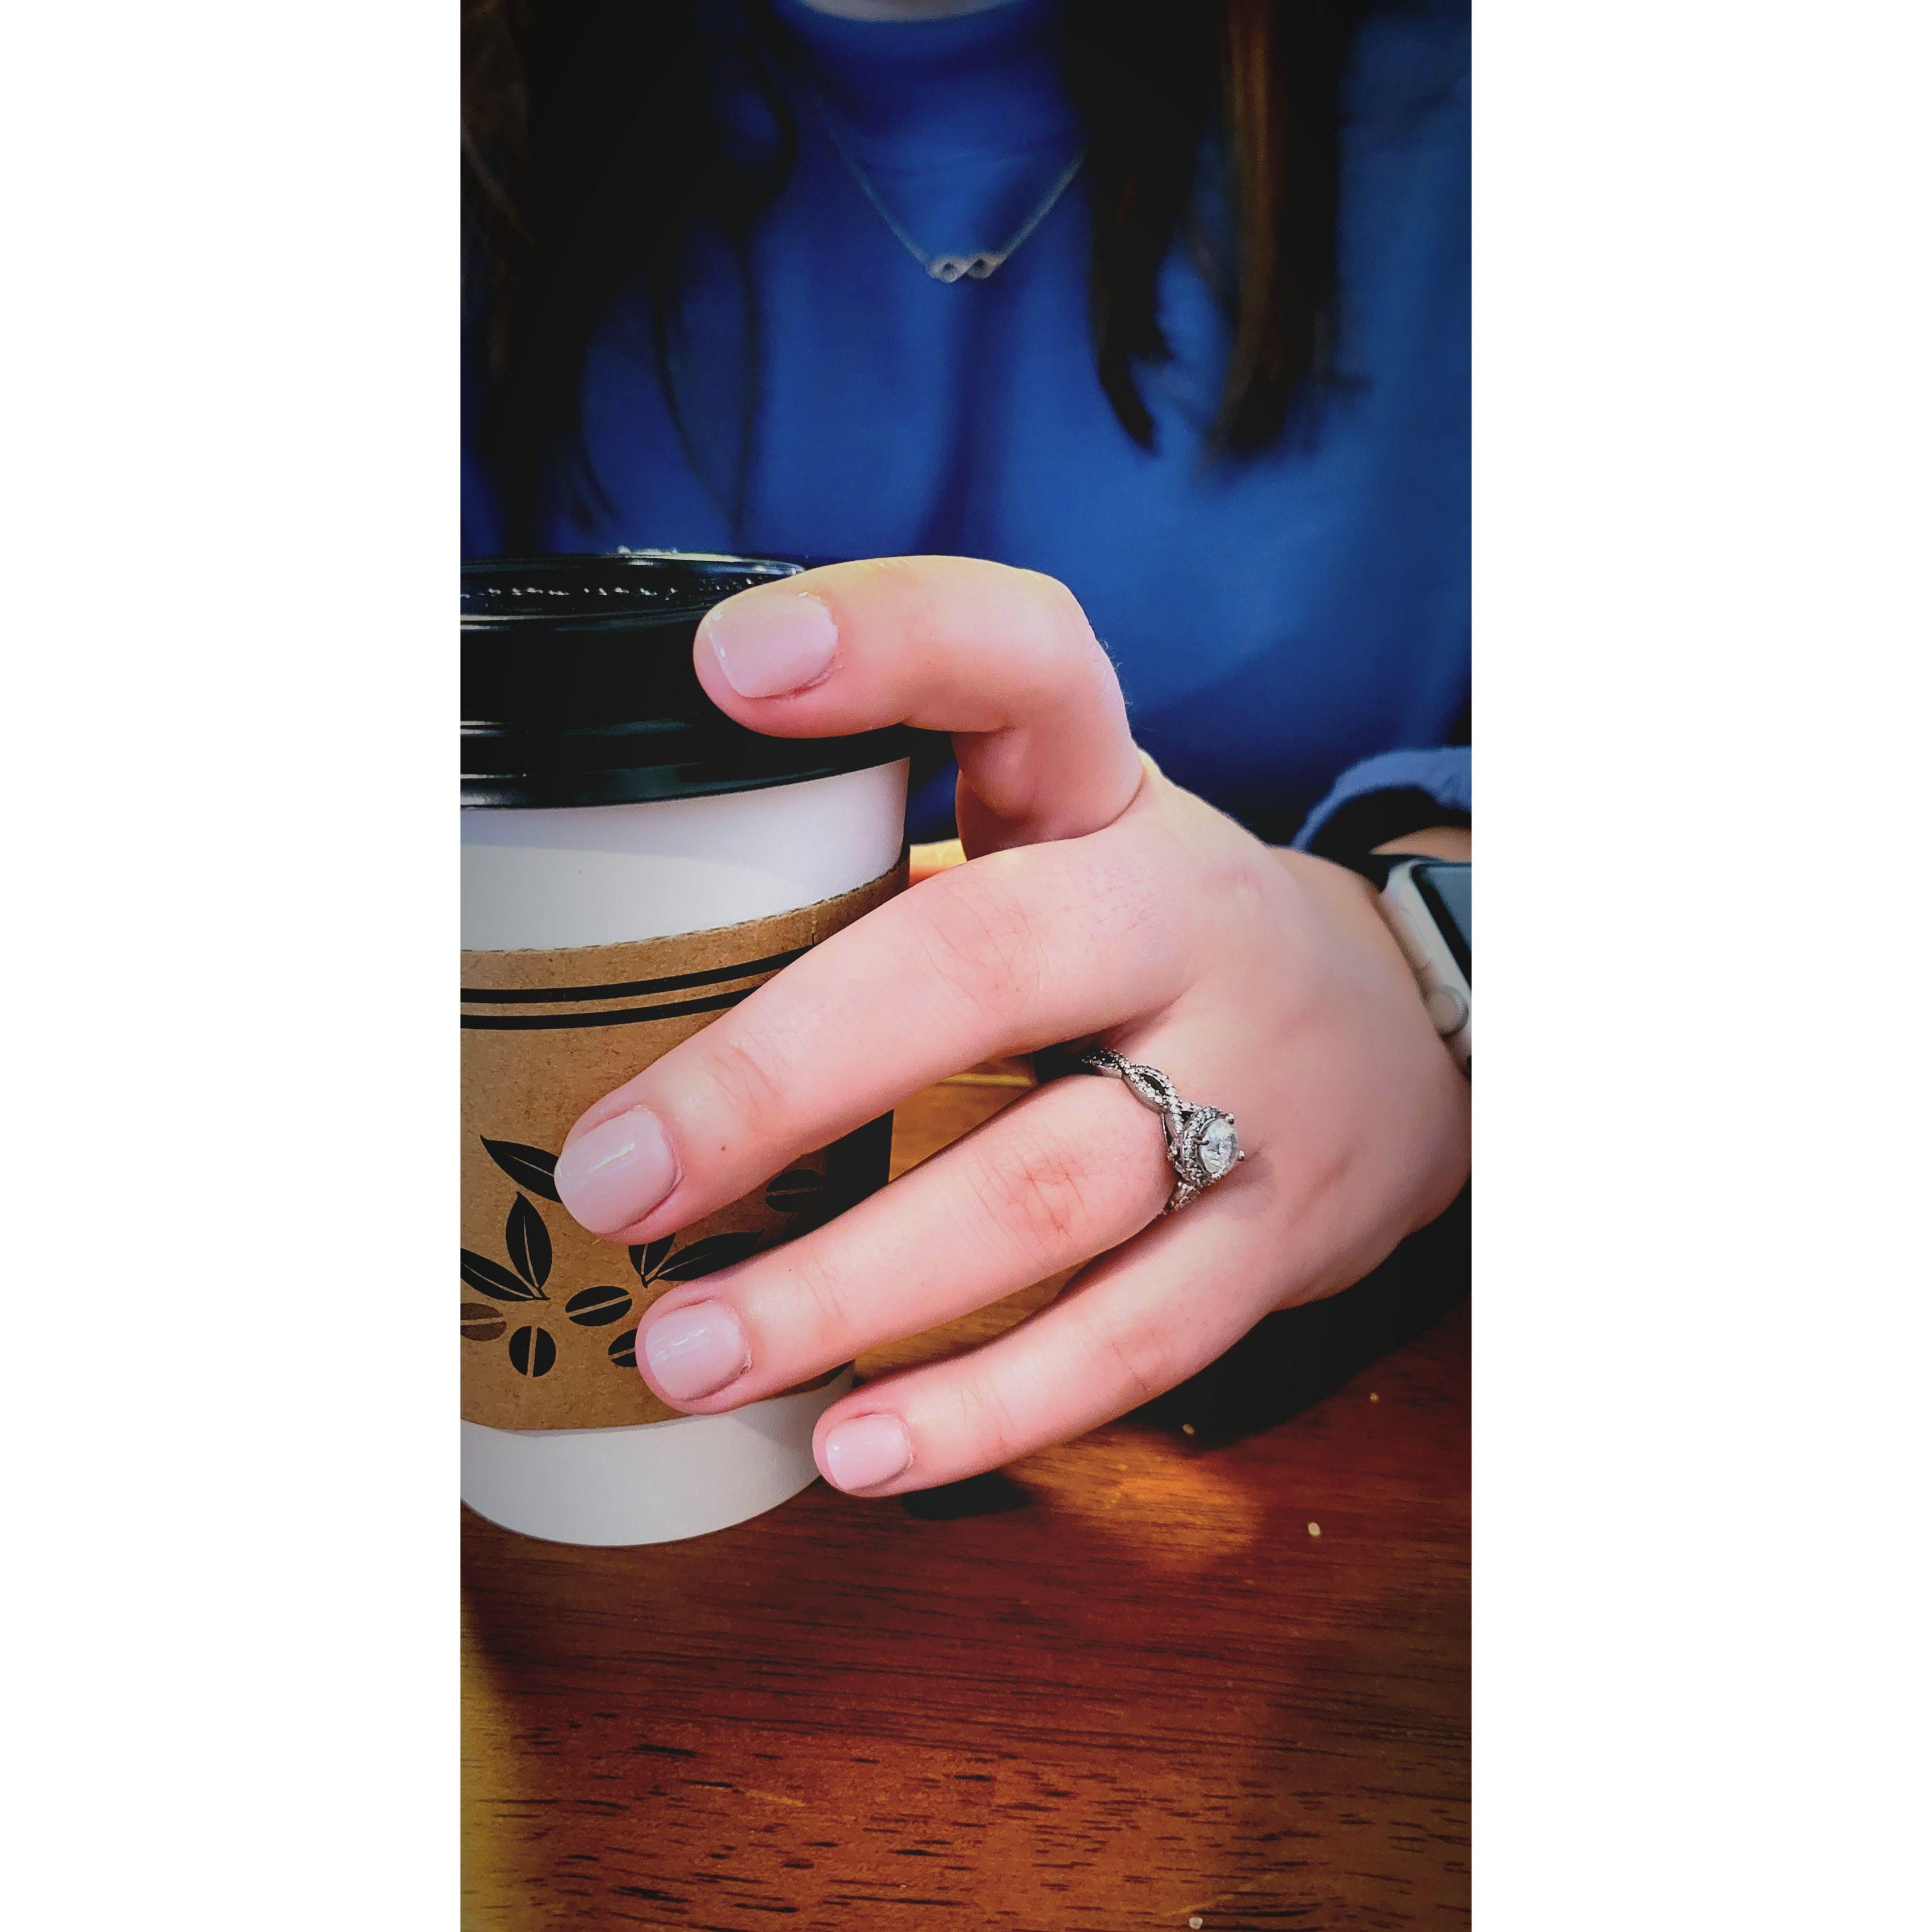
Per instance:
{"type": "Point", "coordinates": [590, 154]}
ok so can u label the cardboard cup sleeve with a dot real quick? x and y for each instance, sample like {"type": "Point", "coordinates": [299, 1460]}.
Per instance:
{"type": "Point", "coordinates": [549, 1313]}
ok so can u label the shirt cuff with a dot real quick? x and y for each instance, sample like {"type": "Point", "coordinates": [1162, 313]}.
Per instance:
{"type": "Point", "coordinates": [1385, 797]}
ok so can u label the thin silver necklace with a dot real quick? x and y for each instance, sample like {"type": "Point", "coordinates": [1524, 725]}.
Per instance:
{"type": "Point", "coordinates": [973, 268]}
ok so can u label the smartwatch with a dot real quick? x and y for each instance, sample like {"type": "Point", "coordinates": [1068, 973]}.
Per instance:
{"type": "Point", "coordinates": [1425, 903]}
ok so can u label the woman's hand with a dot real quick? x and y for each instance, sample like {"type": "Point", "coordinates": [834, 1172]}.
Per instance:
{"type": "Point", "coordinates": [1100, 903]}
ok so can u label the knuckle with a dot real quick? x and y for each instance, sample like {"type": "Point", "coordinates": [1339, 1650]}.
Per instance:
{"type": "Point", "coordinates": [1037, 1191]}
{"type": "Point", "coordinates": [982, 937]}
{"type": "Point", "coordinates": [1115, 901]}
{"type": "Point", "coordinates": [1057, 603]}
{"type": "Point", "coordinates": [989, 1423]}
{"type": "Point", "coordinates": [1064, 628]}
{"type": "Point", "coordinates": [815, 1319]}
{"type": "Point", "coordinates": [1140, 1358]}
{"type": "Point", "coordinates": [746, 1076]}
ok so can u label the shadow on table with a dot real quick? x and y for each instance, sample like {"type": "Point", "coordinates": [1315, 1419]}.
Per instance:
{"type": "Point", "coordinates": [1286, 1363]}
{"type": "Point", "coordinates": [1289, 1362]}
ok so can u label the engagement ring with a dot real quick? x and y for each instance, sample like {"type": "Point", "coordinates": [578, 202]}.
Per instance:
{"type": "Point", "coordinates": [1201, 1141]}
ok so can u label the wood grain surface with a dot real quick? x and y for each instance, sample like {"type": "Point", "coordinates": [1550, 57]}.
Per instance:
{"type": "Point", "coordinates": [1121, 1685]}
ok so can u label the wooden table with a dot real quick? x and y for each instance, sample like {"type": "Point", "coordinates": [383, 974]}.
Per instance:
{"type": "Point", "coordinates": [1121, 1685]}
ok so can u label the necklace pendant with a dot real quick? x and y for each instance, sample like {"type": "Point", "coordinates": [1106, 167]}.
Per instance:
{"type": "Point", "coordinates": [963, 267]}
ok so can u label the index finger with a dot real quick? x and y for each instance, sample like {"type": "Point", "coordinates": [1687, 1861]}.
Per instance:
{"type": "Point", "coordinates": [1004, 955]}
{"type": "Point", "coordinates": [1003, 659]}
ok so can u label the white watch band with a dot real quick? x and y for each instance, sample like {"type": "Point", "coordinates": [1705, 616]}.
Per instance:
{"type": "Point", "coordinates": [1439, 975]}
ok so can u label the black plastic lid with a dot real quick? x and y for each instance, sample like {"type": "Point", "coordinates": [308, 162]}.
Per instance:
{"type": "Point", "coordinates": [578, 688]}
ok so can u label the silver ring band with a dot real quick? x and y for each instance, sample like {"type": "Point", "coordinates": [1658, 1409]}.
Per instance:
{"type": "Point", "coordinates": [1202, 1146]}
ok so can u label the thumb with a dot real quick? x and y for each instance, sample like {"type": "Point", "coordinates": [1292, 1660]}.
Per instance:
{"type": "Point", "coordinates": [1003, 659]}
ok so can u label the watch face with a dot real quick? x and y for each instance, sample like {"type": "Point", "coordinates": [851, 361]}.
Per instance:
{"type": "Point", "coordinates": [1444, 887]}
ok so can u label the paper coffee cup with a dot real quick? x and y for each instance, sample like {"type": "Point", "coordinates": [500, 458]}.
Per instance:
{"type": "Point", "coordinates": [634, 864]}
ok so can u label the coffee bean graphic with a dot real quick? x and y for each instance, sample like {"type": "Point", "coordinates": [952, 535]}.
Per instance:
{"type": "Point", "coordinates": [481, 1322]}
{"type": "Point", "coordinates": [624, 1350]}
{"type": "Point", "coordinates": [532, 1352]}
{"type": "Point", "coordinates": [797, 1191]}
{"type": "Point", "coordinates": [596, 1307]}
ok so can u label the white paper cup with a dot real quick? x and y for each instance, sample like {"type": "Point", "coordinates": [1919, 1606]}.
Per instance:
{"type": "Point", "coordinates": [548, 876]}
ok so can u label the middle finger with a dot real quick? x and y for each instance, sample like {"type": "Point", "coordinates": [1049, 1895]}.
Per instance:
{"type": "Point", "coordinates": [1072, 1169]}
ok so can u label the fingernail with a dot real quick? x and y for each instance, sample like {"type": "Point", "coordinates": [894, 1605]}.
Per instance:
{"type": "Point", "coordinates": [866, 1451]}
{"type": "Point", "coordinates": [617, 1172]}
{"type": "Point", "coordinates": [695, 1350]}
{"type": "Point", "coordinates": [772, 643]}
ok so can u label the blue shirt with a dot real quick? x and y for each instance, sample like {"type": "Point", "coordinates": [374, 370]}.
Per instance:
{"type": "Point", "coordinates": [1278, 622]}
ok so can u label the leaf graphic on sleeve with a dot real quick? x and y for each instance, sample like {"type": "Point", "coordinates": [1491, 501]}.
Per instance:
{"type": "Point", "coordinates": [527, 1166]}
{"type": "Point", "coordinates": [709, 1256]}
{"type": "Point", "coordinates": [797, 1191]}
{"type": "Point", "coordinates": [648, 1260]}
{"type": "Point", "coordinates": [624, 1351]}
{"type": "Point", "coordinates": [493, 1278]}
{"type": "Point", "coordinates": [528, 1241]}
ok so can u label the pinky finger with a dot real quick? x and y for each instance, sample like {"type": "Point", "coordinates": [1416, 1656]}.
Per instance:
{"type": "Point", "coordinates": [1135, 1324]}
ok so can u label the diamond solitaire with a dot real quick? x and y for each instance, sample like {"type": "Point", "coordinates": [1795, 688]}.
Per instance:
{"type": "Point", "coordinates": [1220, 1149]}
